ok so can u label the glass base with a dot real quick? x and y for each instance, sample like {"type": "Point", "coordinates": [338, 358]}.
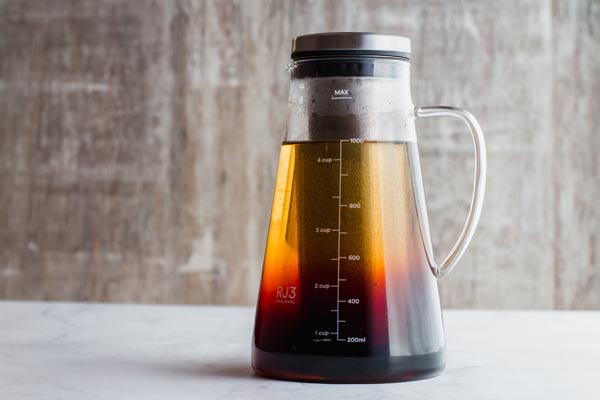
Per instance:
{"type": "Point", "coordinates": [326, 369]}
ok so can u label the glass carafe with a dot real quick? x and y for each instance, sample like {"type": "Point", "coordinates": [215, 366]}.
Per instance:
{"type": "Point", "coordinates": [349, 286]}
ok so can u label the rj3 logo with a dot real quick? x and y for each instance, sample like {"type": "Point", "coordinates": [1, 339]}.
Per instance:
{"type": "Point", "coordinates": [286, 295]}
{"type": "Point", "coordinates": [341, 94]}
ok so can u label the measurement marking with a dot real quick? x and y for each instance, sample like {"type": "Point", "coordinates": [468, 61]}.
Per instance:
{"type": "Point", "coordinates": [337, 159]}
{"type": "Point", "coordinates": [341, 301]}
{"type": "Point", "coordinates": [343, 233]}
{"type": "Point", "coordinates": [335, 197]}
{"type": "Point", "coordinates": [342, 279]}
{"type": "Point", "coordinates": [334, 259]}
{"type": "Point", "coordinates": [344, 174]}
{"type": "Point", "coordinates": [341, 340]}
{"type": "Point", "coordinates": [334, 285]}
{"type": "Point", "coordinates": [333, 310]}
{"type": "Point", "coordinates": [343, 257]}
{"type": "Point", "coordinates": [343, 205]}
{"type": "Point", "coordinates": [342, 320]}
{"type": "Point", "coordinates": [339, 231]}
{"type": "Point", "coordinates": [340, 97]}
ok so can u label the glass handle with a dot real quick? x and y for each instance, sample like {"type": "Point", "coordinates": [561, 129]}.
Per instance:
{"type": "Point", "coordinates": [441, 270]}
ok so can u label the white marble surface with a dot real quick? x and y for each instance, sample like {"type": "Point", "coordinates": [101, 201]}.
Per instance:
{"type": "Point", "coordinates": [89, 351]}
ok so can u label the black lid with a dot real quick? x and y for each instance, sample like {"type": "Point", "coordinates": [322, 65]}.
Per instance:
{"type": "Point", "coordinates": [334, 44]}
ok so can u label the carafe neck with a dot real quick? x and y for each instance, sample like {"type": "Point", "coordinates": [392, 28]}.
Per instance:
{"type": "Point", "coordinates": [350, 98]}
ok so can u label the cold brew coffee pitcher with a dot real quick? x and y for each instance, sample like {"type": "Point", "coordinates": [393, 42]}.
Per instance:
{"type": "Point", "coordinates": [349, 286]}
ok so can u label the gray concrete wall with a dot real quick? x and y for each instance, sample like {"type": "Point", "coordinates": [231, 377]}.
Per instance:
{"type": "Point", "coordinates": [139, 141]}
